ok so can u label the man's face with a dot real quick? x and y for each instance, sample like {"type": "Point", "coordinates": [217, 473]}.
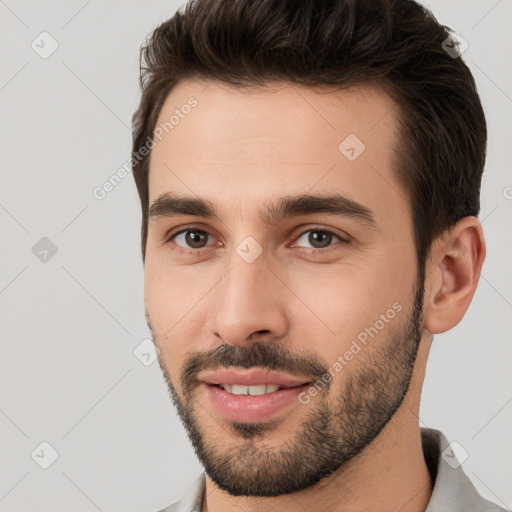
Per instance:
{"type": "Point", "coordinates": [314, 291]}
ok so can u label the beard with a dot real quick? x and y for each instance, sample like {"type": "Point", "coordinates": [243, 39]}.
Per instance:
{"type": "Point", "coordinates": [333, 432]}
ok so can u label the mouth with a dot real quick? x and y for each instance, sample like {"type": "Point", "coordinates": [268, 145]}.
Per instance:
{"type": "Point", "coordinates": [252, 395]}
{"type": "Point", "coordinates": [254, 390]}
{"type": "Point", "coordinates": [255, 403]}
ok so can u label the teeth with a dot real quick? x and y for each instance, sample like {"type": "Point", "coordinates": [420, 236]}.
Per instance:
{"type": "Point", "coordinates": [260, 389]}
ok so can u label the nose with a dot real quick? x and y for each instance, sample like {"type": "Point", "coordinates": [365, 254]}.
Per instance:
{"type": "Point", "coordinates": [249, 305]}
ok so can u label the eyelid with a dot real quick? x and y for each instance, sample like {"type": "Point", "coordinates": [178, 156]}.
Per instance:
{"type": "Point", "coordinates": [342, 237]}
{"type": "Point", "coordinates": [170, 234]}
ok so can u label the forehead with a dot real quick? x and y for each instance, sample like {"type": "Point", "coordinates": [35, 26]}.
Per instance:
{"type": "Point", "coordinates": [224, 144]}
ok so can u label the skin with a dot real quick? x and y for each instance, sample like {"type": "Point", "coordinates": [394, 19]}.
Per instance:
{"type": "Point", "coordinates": [240, 149]}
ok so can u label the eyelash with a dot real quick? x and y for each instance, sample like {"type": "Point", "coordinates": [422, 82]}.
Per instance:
{"type": "Point", "coordinates": [310, 251]}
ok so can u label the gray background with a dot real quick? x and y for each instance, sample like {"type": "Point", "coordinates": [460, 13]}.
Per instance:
{"type": "Point", "coordinates": [70, 323]}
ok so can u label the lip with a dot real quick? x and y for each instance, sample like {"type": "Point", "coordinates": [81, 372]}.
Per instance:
{"type": "Point", "coordinates": [247, 408]}
{"type": "Point", "coordinates": [252, 377]}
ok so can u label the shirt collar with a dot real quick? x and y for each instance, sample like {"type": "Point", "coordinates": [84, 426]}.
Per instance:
{"type": "Point", "coordinates": [453, 490]}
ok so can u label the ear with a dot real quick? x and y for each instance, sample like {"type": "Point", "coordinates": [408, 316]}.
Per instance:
{"type": "Point", "coordinates": [452, 273]}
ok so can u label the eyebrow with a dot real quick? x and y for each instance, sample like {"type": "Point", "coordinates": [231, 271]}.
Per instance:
{"type": "Point", "coordinates": [170, 205]}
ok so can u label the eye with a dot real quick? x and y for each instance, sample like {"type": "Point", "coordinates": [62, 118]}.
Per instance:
{"type": "Point", "coordinates": [317, 238]}
{"type": "Point", "coordinates": [191, 238]}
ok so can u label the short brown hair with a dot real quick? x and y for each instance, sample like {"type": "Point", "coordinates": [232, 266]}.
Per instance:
{"type": "Point", "coordinates": [440, 156]}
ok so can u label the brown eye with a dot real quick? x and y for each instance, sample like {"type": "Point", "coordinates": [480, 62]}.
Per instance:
{"type": "Point", "coordinates": [317, 238]}
{"type": "Point", "coordinates": [191, 239]}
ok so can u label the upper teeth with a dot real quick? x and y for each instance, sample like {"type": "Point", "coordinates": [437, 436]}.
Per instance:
{"type": "Point", "coordinates": [260, 389]}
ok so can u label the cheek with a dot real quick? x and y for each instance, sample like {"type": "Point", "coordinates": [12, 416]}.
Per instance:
{"type": "Point", "coordinates": [173, 300]}
{"type": "Point", "coordinates": [339, 305]}
{"type": "Point", "coordinates": [170, 291]}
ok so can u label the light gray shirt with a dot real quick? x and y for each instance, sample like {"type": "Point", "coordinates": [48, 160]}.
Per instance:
{"type": "Point", "coordinates": [453, 490]}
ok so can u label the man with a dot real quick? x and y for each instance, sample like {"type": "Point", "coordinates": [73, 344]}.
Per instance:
{"type": "Point", "coordinates": [309, 174]}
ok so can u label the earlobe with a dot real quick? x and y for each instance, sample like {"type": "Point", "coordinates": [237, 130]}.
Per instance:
{"type": "Point", "coordinates": [456, 262]}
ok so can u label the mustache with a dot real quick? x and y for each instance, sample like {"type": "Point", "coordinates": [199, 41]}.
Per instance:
{"type": "Point", "coordinates": [263, 355]}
